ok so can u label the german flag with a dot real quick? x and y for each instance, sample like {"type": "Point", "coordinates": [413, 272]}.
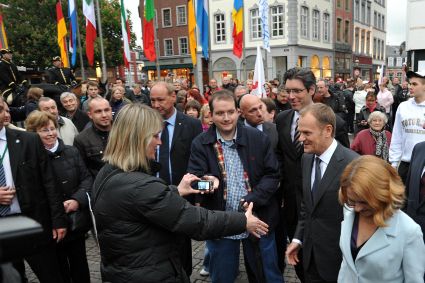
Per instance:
{"type": "Point", "coordinates": [3, 37]}
{"type": "Point", "coordinates": [62, 32]}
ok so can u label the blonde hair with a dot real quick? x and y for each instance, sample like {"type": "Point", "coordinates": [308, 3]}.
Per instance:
{"type": "Point", "coordinates": [130, 136]}
{"type": "Point", "coordinates": [205, 109]}
{"type": "Point", "coordinates": [376, 182]}
{"type": "Point", "coordinates": [38, 119]}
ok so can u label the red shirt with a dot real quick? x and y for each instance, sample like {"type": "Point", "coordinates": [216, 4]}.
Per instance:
{"type": "Point", "coordinates": [365, 144]}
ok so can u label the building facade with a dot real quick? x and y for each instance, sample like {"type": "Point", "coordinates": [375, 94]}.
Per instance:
{"type": "Point", "coordinates": [396, 60]}
{"type": "Point", "coordinates": [379, 35]}
{"type": "Point", "coordinates": [343, 39]}
{"type": "Point", "coordinates": [415, 35]}
{"type": "Point", "coordinates": [172, 43]}
{"type": "Point", "coordinates": [300, 35]}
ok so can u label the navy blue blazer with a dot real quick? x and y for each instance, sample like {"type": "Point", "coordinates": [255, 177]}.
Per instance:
{"type": "Point", "coordinates": [258, 160]}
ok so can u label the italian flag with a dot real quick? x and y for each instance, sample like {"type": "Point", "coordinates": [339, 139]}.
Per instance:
{"type": "Point", "coordinates": [125, 27]}
{"type": "Point", "coordinates": [88, 11]}
{"type": "Point", "coordinates": [148, 31]}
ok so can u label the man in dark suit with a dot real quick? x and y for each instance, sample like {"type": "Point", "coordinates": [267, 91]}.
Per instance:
{"type": "Point", "coordinates": [179, 132]}
{"type": "Point", "coordinates": [415, 186]}
{"type": "Point", "coordinates": [60, 76]}
{"type": "Point", "coordinates": [300, 85]}
{"type": "Point", "coordinates": [252, 109]}
{"type": "Point", "coordinates": [320, 217]}
{"type": "Point", "coordinates": [27, 187]}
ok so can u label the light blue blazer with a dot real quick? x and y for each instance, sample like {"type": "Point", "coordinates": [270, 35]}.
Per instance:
{"type": "Point", "coordinates": [394, 254]}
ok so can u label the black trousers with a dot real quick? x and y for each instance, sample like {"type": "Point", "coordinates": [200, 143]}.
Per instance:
{"type": "Point", "coordinates": [73, 260]}
{"type": "Point", "coordinates": [312, 274]}
{"type": "Point", "coordinates": [403, 170]}
{"type": "Point", "coordinates": [44, 264]}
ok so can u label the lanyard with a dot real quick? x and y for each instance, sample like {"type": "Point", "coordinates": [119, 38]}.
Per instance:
{"type": "Point", "coordinates": [4, 153]}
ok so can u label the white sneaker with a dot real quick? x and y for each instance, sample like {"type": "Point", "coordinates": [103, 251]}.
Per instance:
{"type": "Point", "coordinates": [203, 272]}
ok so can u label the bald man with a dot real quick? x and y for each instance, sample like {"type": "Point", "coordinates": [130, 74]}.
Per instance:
{"type": "Point", "coordinates": [252, 111]}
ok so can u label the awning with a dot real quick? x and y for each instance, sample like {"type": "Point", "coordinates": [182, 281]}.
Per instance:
{"type": "Point", "coordinates": [168, 67]}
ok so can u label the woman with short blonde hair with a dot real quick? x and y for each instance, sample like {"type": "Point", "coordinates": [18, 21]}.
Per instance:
{"type": "Point", "coordinates": [379, 242]}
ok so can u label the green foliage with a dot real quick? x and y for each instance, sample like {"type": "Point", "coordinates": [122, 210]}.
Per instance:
{"type": "Point", "coordinates": [32, 32]}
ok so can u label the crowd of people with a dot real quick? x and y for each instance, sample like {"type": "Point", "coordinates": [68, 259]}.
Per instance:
{"type": "Point", "coordinates": [286, 182]}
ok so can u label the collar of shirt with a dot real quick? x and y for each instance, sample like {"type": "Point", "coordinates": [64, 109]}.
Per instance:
{"type": "Point", "coordinates": [172, 119]}
{"type": "Point", "coordinates": [259, 127]}
{"type": "Point", "coordinates": [55, 147]}
{"type": "Point", "coordinates": [223, 141]}
{"type": "Point", "coordinates": [422, 104]}
{"type": "Point", "coordinates": [327, 155]}
{"type": "Point", "coordinates": [3, 134]}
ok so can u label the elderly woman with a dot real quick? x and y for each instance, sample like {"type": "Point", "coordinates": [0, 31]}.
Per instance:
{"type": "Point", "coordinates": [375, 140]}
{"type": "Point", "coordinates": [117, 100]}
{"type": "Point", "coordinates": [139, 217]}
{"type": "Point", "coordinates": [379, 242]}
{"type": "Point", "coordinates": [73, 180]}
{"type": "Point", "coordinates": [370, 106]}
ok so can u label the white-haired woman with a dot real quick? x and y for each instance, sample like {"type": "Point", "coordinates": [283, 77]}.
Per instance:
{"type": "Point", "coordinates": [139, 217]}
{"type": "Point", "coordinates": [374, 140]}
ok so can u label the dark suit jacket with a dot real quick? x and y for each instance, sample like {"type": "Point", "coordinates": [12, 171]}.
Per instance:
{"type": "Point", "coordinates": [185, 131]}
{"type": "Point", "coordinates": [34, 182]}
{"type": "Point", "coordinates": [270, 130]}
{"type": "Point", "coordinates": [319, 224]}
{"type": "Point", "coordinates": [414, 207]}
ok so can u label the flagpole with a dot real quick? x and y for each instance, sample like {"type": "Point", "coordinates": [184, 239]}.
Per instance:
{"type": "Point", "coordinates": [266, 75]}
{"type": "Point", "coordinates": [102, 52]}
{"type": "Point", "coordinates": [244, 46]}
{"type": "Point", "coordinates": [83, 72]}
{"type": "Point", "coordinates": [210, 70]}
{"type": "Point", "coordinates": [158, 68]}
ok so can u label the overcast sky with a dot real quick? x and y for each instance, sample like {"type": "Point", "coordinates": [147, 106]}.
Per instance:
{"type": "Point", "coordinates": [396, 21]}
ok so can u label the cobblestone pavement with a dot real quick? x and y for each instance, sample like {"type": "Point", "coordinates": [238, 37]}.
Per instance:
{"type": "Point", "coordinates": [198, 255]}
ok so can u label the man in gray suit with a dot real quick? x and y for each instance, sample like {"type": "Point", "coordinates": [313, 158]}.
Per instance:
{"type": "Point", "coordinates": [252, 110]}
{"type": "Point", "coordinates": [319, 223]}
{"type": "Point", "coordinates": [415, 186]}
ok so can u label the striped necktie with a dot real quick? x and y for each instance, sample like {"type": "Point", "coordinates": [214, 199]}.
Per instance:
{"type": "Point", "coordinates": [4, 209]}
{"type": "Point", "coordinates": [298, 145]}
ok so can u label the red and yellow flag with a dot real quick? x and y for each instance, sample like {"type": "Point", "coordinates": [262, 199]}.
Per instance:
{"type": "Point", "coordinates": [61, 34]}
{"type": "Point", "coordinates": [237, 16]}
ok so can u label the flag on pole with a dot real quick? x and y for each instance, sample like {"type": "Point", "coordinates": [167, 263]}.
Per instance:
{"type": "Point", "coordinates": [72, 31]}
{"type": "Point", "coordinates": [202, 21]}
{"type": "Point", "coordinates": [259, 79]}
{"type": "Point", "coordinates": [148, 31]}
{"type": "Point", "coordinates": [125, 28]}
{"type": "Point", "coordinates": [61, 33]}
{"type": "Point", "coordinates": [381, 75]}
{"type": "Point", "coordinates": [88, 11]}
{"type": "Point", "coordinates": [237, 16]}
{"type": "Point", "coordinates": [192, 30]}
{"type": "Point", "coordinates": [264, 15]}
{"type": "Point", "coordinates": [3, 37]}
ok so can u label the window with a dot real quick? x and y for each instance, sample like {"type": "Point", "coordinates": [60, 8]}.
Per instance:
{"type": "Point", "coordinates": [382, 49]}
{"type": "Point", "coordinates": [316, 25]}
{"type": "Point", "coordinates": [368, 43]}
{"type": "Point", "coordinates": [166, 17]}
{"type": "Point", "coordinates": [368, 14]}
{"type": "Point", "coordinates": [362, 42]}
{"type": "Point", "coordinates": [347, 5]}
{"type": "Point", "coordinates": [304, 22]}
{"type": "Point", "coordinates": [183, 46]}
{"type": "Point", "coordinates": [363, 18]}
{"type": "Point", "coordinates": [220, 28]}
{"type": "Point", "coordinates": [390, 61]}
{"type": "Point", "coordinates": [181, 15]}
{"type": "Point", "coordinates": [338, 3]}
{"type": "Point", "coordinates": [356, 40]}
{"type": "Point", "coordinates": [277, 20]}
{"type": "Point", "coordinates": [378, 50]}
{"type": "Point", "coordinates": [338, 29]}
{"type": "Point", "coordinates": [399, 62]}
{"type": "Point", "coordinates": [326, 26]}
{"type": "Point", "coordinates": [168, 47]}
{"type": "Point", "coordinates": [357, 10]}
{"type": "Point", "coordinates": [256, 32]}
{"type": "Point", "coordinates": [383, 23]}
{"type": "Point", "coordinates": [347, 32]}
{"type": "Point", "coordinates": [379, 21]}
{"type": "Point", "coordinates": [374, 48]}
{"type": "Point", "coordinates": [375, 19]}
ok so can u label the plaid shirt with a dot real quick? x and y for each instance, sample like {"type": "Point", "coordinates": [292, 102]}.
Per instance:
{"type": "Point", "coordinates": [235, 179]}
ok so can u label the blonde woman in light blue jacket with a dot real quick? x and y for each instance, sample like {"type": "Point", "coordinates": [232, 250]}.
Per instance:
{"type": "Point", "coordinates": [379, 242]}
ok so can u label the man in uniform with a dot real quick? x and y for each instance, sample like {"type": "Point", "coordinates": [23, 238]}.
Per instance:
{"type": "Point", "coordinates": [10, 77]}
{"type": "Point", "coordinates": [59, 75]}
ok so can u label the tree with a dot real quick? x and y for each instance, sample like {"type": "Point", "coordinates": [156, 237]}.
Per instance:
{"type": "Point", "coordinates": [32, 34]}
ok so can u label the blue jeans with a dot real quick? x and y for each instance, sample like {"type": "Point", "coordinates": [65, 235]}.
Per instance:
{"type": "Point", "coordinates": [224, 259]}
{"type": "Point", "coordinates": [206, 263]}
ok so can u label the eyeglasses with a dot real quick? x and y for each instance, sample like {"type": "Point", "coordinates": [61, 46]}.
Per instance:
{"type": "Point", "coordinates": [294, 90]}
{"type": "Point", "coordinates": [47, 131]}
{"type": "Point", "coordinates": [352, 203]}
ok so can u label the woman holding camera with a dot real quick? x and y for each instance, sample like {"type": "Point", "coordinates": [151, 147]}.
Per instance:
{"type": "Point", "coordinates": [379, 242]}
{"type": "Point", "coordinates": [138, 216]}
{"type": "Point", "coordinates": [73, 180]}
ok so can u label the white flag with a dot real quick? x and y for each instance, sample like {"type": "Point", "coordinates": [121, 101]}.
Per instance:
{"type": "Point", "coordinates": [264, 15]}
{"type": "Point", "coordinates": [259, 79]}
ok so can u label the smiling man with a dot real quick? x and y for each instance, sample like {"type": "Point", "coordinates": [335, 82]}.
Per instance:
{"type": "Point", "coordinates": [319, 223]}
{"type": "Point", "coordinates": [243, 160]}
{"type": "Point", "coordinates": [78, 117]}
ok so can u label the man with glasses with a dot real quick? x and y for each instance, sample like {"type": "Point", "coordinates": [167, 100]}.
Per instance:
{"type": "Point", "coordinates": [319, 223]}
{"type": "Point", "coordinates": [300, 85]}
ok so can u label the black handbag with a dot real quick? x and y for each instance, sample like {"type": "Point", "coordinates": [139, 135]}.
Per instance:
{"type": "Point", "coordinates": [80, 221]}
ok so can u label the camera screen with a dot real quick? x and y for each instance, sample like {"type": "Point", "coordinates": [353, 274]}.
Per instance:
{"type": "Point", "coordinates": [204, 185]}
